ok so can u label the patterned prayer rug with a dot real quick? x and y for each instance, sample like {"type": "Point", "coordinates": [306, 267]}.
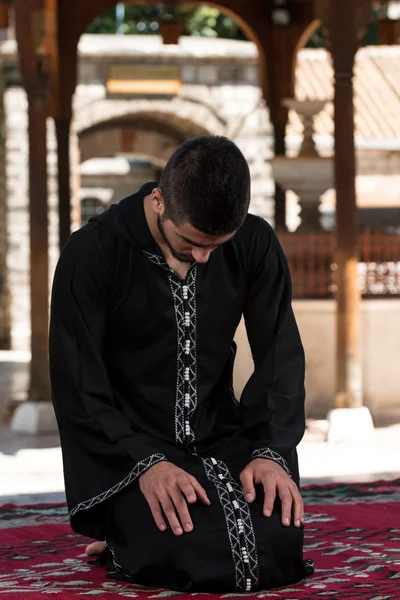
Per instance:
{"type": "Point", "coordinates": [352, 533]}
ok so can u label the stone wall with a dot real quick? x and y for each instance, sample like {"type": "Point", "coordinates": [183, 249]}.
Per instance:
{"type": "Point", "coordinates": [380, 343]}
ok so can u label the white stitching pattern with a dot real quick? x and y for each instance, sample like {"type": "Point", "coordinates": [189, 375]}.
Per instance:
{"type": "Point", "coordinates": [184, 295]}
{"type": "Point", "coordinates": [239, 524]}
{"type": "Point", "coordinates": [118, 568]}
{"type": "Point", "coordinates": [272, 455]}
{"type": "Point", "coordinates": [157, 260]}
{"type": "Point", "coordinates": [136, 472]}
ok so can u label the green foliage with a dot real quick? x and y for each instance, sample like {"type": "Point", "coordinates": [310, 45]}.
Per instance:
{"type": "Point", "coordinates": [209, 22]}
{"type": "Point", "coordinates": [203, 21]}
{"type": "Point", "coordinates": [371, 35]}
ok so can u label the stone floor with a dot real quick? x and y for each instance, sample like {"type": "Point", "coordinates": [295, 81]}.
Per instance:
{"type": "Point", "coordinates": [31, 467]}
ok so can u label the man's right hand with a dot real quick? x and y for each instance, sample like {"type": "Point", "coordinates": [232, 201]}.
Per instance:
{"type": "Point", "coordinates": [167, 488]}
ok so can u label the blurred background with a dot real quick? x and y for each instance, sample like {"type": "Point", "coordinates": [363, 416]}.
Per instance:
{"type": "Point", "coordinates": [95, 97]}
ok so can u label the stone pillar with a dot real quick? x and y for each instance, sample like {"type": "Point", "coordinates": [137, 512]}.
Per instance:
{"type": "Point", "coordinates": [38, 228]}
{"type": "Point", "coordinates": [5, 305]}
{"type": "Point", "coordinates": [309, 215]}
{"type": "Point", "coordinates": [63, 126]}
{"type": "Point", "coordinates": [315, 171]}
{"type": "Point", "coordinates": [309, 177]}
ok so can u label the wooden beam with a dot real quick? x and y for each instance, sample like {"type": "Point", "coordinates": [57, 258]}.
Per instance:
{"type": "Point", "coordinates": [278, 51]}
{"type": "Point", "coordinates": [5, 6]}
{"type": "Point", "coordinates": [38, 232]}
{"type": "Point", "coordinates": [63, 126]}
{"type": "Point", "coordinates": [31, 36]}
{"type": "Point", "coordinates": [345, 21]}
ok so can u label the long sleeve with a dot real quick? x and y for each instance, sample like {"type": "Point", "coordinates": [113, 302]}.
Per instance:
{"type": "Point", "coordinates": [102, 453]}
{"type": "Point", "coordinates": [272, 403]}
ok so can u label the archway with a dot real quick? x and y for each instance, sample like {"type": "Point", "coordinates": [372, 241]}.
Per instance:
{"type": "Point", "coordinates": [120, 154]}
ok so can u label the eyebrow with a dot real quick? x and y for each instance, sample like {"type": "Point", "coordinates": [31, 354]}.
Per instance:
{"type": "Point", "coordinates": [189, 241]}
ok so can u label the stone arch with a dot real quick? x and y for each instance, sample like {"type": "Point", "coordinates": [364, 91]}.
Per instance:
{"type": "Point", "coordinates": [113, 138]}
{"type": "Point", "coordinates": [152, 133]}
{"type": "Point", "coordinates": [189, 117]}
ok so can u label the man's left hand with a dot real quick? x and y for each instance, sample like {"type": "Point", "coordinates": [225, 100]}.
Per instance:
{"type": "Point", "coordinates": [275, 480]}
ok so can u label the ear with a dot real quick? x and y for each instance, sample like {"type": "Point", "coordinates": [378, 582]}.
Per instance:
{"type": "Point", "coordinates": [157, 201]}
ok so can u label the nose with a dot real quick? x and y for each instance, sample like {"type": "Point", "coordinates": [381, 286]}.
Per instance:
{"type": "Point", "coordinates": [201, 255]}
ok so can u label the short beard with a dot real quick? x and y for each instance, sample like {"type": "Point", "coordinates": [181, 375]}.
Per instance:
{"type": "Point", "coordinates": [183, 258]}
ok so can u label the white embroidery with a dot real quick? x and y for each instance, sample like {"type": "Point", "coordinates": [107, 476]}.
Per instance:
{"type": "Point", "coordinates": [136, 472]}
{"type": "Point", "coordinates": [272, 455]}
{"type": "Point", "coordinates": [239, 525]}
{"type": "Point", "coordinates": [157, 260]}
{"type": "Point", "coordinates": [186, 378]}
{"type": "Point", "coordinates": [184, 296]}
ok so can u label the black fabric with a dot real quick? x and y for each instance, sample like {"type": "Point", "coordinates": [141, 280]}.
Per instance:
{"type": "Point", "coordinates": [200, 561]}
{"type": "Point", "coordinates": [127, 394]}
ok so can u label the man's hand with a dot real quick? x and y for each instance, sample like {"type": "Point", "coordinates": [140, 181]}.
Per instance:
{"type": "Point", "coordinates": [165, 486]}
{"type": "Point", "coordinates": [274, 479]}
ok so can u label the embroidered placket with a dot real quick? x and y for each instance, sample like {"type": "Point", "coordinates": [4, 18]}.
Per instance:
{"type": "Point", "coordinates": [184, 295]}
{"type": "Point", "coordinates": [239, 524]}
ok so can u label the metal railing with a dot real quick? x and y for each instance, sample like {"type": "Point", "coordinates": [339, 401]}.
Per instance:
{"type": "Point", "coordinates": [311, 260]}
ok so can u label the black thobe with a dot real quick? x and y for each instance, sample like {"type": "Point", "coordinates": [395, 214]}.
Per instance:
{"type": "Point", "coordinates": [141, 371]}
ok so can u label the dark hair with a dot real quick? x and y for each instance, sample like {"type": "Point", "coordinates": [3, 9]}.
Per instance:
{"type": "Point", "coordinates": [206, 182]}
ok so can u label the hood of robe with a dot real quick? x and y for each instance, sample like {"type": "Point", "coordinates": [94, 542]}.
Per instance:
{"type": "Point", "coordinates": [128, 221]}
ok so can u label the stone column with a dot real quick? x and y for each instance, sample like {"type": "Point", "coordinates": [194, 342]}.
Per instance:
{"type": "Point", "coordinates": [63, 126]}
{"type": "Point", "coordinates": [315, 171]}
{"type": "Point", "coordinates": [309, 177]}
{"type": "Point", "coordinates": [5, 307]}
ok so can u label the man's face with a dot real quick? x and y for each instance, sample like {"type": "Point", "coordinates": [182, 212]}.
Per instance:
{"type": "Point", "coordinates": [187, 244]}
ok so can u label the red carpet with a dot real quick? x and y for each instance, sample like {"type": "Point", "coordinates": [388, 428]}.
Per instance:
{"type": "Point", "coordinates": [353, 535]}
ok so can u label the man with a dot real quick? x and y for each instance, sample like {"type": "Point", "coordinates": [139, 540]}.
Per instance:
{"type": "Point", "coordinates": [190, 489]}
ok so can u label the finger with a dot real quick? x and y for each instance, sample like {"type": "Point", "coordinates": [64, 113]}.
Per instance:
{"type": "Point", "coordinates": [170, 513]}
{"type": "Point", "coordinates": [155, 508]}
{"type": "Point", "coordinates": [247, 481]}
{"type": "Point", "coordinates": [182, 509]}
{"type": "Point", "coordinates": [297, 507]}
{"type": "Point", "coordinates": [269, 497]}
{"type": "Point", "coordinates": [200, 492]}
{"type": "Point", "coordinates": [286, 500]}
{"type": "Point", "coordinates": [188, 490]}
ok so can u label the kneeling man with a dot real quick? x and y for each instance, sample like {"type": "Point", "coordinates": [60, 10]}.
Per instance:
{"type": "Point", "coordinates": [185, 487]}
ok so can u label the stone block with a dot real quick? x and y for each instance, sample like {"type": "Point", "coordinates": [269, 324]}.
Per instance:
{"type": "Point", "coordinates": [350, 425]}
{"type": "Point", "coordinates": [208, 74]}
{"type": "Point", "coordinates": [34, 418]}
